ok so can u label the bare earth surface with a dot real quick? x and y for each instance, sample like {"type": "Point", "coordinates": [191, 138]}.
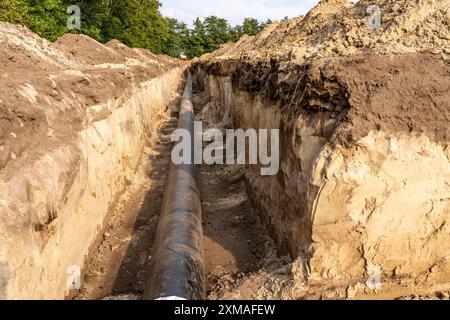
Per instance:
{"type": "Point", "coordinates": [75, 116]}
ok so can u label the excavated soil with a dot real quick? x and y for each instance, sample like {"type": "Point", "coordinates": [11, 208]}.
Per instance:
{"type": "Point", "coordinates": [353, 96]}
{"type": "Point", "coordinates": [340, 28]}
{"type": "Point", "coordinates": [75, 67]}
{"type": "Point", "coordinates": [399, 93]}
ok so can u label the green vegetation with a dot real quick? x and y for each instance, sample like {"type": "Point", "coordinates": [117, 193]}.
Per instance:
{"type": "Point", "coordinates": [136, 23]}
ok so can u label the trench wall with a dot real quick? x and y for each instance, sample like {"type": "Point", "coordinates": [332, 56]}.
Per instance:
{"type": "Point", "coordinates": [54, 205]}
{"type": "Point", "coordinates": [346, 201]}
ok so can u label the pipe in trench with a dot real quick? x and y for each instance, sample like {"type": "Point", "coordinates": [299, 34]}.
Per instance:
{"type": "Point", "coordinates": [177, 263]}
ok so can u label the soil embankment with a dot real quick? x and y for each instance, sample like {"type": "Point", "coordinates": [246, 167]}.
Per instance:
{"type": "Point", "coordinates": [74, 119]}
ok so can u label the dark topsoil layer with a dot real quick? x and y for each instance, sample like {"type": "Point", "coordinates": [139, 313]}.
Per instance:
{"type": "Point", "coordinates": [399, 93]}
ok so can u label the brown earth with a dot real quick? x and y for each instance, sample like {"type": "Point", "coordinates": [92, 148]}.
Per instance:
{"type": "Point", "coordinates": [236, 244]}
{"type": "Point", "coordinates": [406, 93]}
{"type": "Point", "coordinates": [76, 68]}
{"type": "Point", "coordinates": [339, 28]}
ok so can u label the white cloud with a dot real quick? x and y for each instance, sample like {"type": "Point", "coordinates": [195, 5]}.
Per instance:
{"type": "Point", "coordinates": [235, 10]}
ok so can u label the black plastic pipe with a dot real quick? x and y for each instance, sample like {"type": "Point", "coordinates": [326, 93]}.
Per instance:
{"type": "Point", "coordinates": [177, 263]}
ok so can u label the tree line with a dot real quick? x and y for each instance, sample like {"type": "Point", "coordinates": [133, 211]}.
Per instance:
{"type": "Point", "coordinates": [136, 23]}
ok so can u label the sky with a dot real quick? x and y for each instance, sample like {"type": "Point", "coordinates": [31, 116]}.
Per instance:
{"type": "Point", "coordinates": [235, 10]}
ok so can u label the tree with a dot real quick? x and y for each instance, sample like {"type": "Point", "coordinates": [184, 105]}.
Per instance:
{"type": "Point", "coordinates": [217, 32]}
{"type": "Point", "coordinates": [197, 40]}
{"type": "Point", "coordinates": [177, 37]}
{"type": "Point", "coordinates": [95, 15]}
{"type": "Point", "coordinates": [236, 33]}
{"type": "Point", "coordinates": [14, 11]}
{"type": "Point", "coordinates": [47, 18]}
{"type": "Point", "coordinates": [137, 23]}
{"type": "Point", "coordinates": [251, 26]}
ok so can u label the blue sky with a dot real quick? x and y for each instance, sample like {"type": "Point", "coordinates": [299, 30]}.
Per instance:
{"type": "Point", "coordinates": [235, 10]}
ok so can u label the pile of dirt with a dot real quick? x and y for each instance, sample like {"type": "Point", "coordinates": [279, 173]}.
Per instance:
{"type": "Point", "coordinates": [404, 93]}
{"type": "Point", "coordinates": [86, 50]}
{"type": "Point", "coordinates": [395, 78]}
{"type": "Point", "coordinates": [340, 27]}
{"type": "Point", "coordinates": [75, 68]}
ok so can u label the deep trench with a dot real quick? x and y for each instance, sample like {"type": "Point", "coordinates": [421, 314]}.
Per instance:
{"type": "Point", "coordinates": [235, 240]}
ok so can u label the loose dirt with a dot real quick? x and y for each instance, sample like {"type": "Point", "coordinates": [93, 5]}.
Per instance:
{"type": "Point", "coordinates": [340, 28]}
{"type": "Point", "coordinates": [74, 117]}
